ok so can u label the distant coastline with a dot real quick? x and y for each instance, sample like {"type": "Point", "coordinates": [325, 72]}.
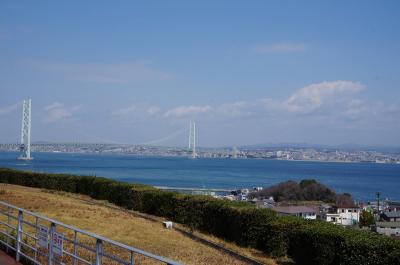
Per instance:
{"type": "Point", "coordinates": [180, 152]}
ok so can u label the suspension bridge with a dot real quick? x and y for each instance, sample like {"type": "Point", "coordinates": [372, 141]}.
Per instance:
{"type": "Point", "coordinates": [25, 143]}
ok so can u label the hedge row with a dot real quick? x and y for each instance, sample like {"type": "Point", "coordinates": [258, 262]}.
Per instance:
{"type": "Point", "coordinates": [307, 242]}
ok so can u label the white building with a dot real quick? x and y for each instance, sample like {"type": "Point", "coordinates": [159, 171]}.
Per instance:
{"type": "Point", "coordinates": [266, 203]}
{"type": "Point", "coordinates": [390, 224]}
{"type": "Point", "coordinates": [344, 215]}
{"type": "Point", "coordinates": [388, 228]}
{"type": "Point", "coordinates": [391, 216]}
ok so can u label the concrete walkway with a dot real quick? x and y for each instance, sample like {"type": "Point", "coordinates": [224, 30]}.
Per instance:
{"type": "Point", "coordinates": [7, 260]}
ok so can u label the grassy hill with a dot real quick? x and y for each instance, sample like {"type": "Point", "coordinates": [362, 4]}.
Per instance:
{"type": "Point", "coordinates": [108, 220]}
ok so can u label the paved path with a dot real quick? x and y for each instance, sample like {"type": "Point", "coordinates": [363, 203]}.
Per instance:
{"type": "Point", "coordinates": [7, 260]}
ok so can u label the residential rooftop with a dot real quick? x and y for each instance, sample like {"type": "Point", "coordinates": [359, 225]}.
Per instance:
{"type": "Point", "coordinates": [392, 214]}
{"type": "Point", "coordinates": [388, 224]}
{"type": "Point", "coordinates": [293, 209]}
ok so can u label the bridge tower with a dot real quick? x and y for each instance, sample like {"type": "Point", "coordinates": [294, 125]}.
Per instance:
{"type": "Point", "coordinates": [26, 131]}
{"type": "Point", "coordinates": [192, 139]}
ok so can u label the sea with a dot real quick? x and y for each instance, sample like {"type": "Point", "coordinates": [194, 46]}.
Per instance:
{"type": "Point", "coordinates": [361, 180]}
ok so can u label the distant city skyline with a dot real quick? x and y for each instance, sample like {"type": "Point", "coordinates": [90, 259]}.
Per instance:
{"type": "Point", "coordinates": [247, 73]}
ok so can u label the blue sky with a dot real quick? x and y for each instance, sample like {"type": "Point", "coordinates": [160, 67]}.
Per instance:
{"type": "Point", "coordinates": [248, 72]}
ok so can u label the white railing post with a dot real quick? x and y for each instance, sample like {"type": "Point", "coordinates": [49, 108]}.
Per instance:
{"type": "Point", "coordinates": [52, 230]}
{"type": "Point", "coordinates": [132, 259]}
{"type": "Point", "coordinates": [75, 248]}
{"type": "Point", "coordinates": [36, 241]}
{"type": "Point", "coordinates": [18, 237]}
{"type": "Point", "coordinates": [99, 250]}
{"type": "Point", "coordinates": [8, 230]}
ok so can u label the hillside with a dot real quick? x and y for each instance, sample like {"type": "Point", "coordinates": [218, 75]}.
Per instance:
{"type": "Point", "coordinates": [305, 190]}
{"type": "Point", "coordinates": [107, 220]}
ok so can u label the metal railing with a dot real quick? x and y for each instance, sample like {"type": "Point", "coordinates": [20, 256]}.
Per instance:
{"type": "Point", "coordinates": [42, 240]}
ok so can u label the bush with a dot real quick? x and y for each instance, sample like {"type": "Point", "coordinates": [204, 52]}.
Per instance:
{"type": "Point", "coordinates": [307, 242]}
{"type": "Point", "coordinates": [317, 242]}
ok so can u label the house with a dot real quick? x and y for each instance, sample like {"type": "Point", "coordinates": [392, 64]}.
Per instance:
{"type": "Point", "coordinates": [344, 215]}
{"type": "Point", "coordinates": [393, 206]}
{"type": "Point", "coordinates": [266, 203]}
{"type": "Point", "coordinates": [390, 224]}
{"type": "Point", "coordinates": [374, 206]}
{"type": "Point", "coordinates": [244, 191]}
{"type": "Point", "coordinates": [324, 209]}
{"type": "Point", "coordinates": [241, 195]}
{"type": "Point", "coordinates": [391, 216]}
{"type": "Point", "coordinates": [388, 228]}
{"type": "Point", "coordinates": [299, 211]}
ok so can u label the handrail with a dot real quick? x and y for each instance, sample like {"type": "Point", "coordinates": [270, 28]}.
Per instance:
{"type": "Point", "coordinates": [83, 232]}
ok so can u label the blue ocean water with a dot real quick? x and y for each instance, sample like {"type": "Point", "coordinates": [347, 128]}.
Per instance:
{"type": "Point", "coordinates": [361, 180]}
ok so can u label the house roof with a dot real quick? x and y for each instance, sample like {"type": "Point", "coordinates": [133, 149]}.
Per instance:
{"type": "Point", "coordinates": [392, 214]}
{"type": "Point", "coordinates": [388, 224]}
{"type": "Point", "coordinates": [393, 203]}
{"type": "Point", "coordinates": [293, 209]}
{"type": "Point", "coordinates": [347, 207]}
{"type": "Point", "coordinates": [326, 206]}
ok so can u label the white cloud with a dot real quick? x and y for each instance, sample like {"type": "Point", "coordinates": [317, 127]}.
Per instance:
{"type": "Point", "coordinates": [337, 97]}
{"type": "Point", "coordinates": [54, 105]}
{"type": "Point", "coordinates": [355, 108]}
{"type": "Point", "coordinates": [57, 111]}
{"type": "Point", "coordinates": [315, 96]}
{"type": "Point", "coordinates": [336, 102]}
{"type": "Point", "coordinates": [235, 109]}
{"type": "Point", "coordinates": [283, 47]}
{"type": "Point", "coordinates": [102, 73]}
{"type": "Point", "coordinates": [138, 109]}
{"type": "Point", "coordinates": [8, 109]}
{"type": "Point", "coordinates": [152, 110]}
{"type": "Point", "coordinates": [183, 111]}
{"type": "Point", "coordinates": [124, 111]}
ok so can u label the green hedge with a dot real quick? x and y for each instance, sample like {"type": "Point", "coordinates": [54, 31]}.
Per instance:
{"type": "Point", "coordinates": [307, 242]}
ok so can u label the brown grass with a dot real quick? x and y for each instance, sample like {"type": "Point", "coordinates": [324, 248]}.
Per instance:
{"type": "Point", "coordinates": [122, 226]}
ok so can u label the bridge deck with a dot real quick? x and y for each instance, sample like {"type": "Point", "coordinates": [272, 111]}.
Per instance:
{"type": "Point", "coordinates": [7, 260]}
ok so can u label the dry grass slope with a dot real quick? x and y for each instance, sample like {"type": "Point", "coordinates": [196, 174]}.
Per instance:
{"type": "Point", "coordinates": [94, 216]}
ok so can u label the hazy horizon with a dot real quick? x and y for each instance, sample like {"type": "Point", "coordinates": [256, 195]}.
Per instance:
{"type": "Point", "coordinates": [343, 146]}
{"type": "Point", "coordinates": [321, 73]}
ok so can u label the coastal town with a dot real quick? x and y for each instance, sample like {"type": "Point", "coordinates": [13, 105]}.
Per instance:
{"type": "Point", "coordinates": [322, 154]}
{"type": "Point", "coordinates": [382, 217]}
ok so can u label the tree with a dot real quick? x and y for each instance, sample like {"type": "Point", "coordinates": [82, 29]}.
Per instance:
{"type": "Point", "coordinates": [366, 219]}
{"type": "Point", "coordinates": [306, 190]}
{"type": "Point", "coordinates": [344, 200]}
{"type": "Point", "coordinates": [307, 182]}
